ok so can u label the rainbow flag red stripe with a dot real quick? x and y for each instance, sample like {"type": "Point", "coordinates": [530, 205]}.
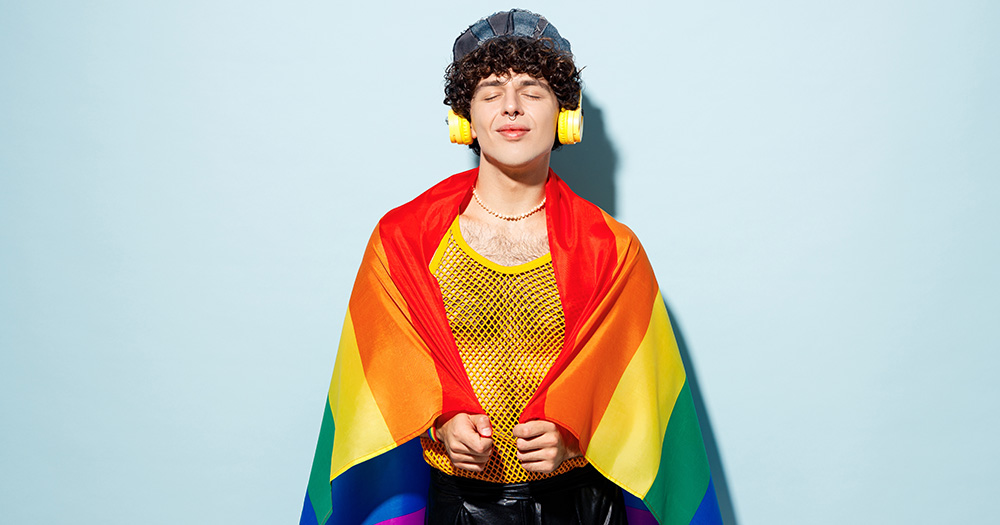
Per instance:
{"type": "Point", "coordinates": [618, 384]}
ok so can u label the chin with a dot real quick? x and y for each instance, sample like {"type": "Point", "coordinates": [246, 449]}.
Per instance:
{"type": "Point", "coordinates": [519, 159]}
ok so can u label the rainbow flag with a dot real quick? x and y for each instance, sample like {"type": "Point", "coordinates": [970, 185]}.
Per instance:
{"type": "Point", "coordinates": [618, 384]}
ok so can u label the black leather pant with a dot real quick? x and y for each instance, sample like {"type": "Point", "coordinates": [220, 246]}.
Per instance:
{"type": "Point", "coordinates": [581, 496]}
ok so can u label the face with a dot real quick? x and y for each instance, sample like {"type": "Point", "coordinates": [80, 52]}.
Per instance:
{"type": "Point", "coordinates": [514, 119]}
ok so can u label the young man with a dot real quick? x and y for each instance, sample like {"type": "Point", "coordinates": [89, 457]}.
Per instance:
{"type": "Point", "coordinates": [512, 326]}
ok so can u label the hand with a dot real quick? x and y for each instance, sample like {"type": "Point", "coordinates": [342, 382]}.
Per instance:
{"type": "Point", "coordinates": [541, 447]}
{"type": "Point", "coordinates": [467, 441]}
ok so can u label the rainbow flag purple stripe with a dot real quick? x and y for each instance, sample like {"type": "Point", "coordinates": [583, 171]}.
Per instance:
{"type": "Point", "coordinates": [398, 370]}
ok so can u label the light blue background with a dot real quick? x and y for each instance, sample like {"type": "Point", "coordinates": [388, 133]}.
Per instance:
{"type": "Point", "coordinates": [186, 189]}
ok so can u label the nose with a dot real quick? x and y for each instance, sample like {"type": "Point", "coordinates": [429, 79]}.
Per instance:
{"type": "Point", "coordinates": [512, 106]}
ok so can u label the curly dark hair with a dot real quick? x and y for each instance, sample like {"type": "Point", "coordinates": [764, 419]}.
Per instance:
{"type": "Point", "coordinates": [498, 56]}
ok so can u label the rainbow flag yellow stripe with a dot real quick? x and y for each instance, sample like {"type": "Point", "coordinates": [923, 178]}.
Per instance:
{"type": "Point", "coordinates": [618, 384]}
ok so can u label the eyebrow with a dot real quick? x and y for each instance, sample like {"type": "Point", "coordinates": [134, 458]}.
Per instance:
{"type": "Point", "coordinates": [520, 83]}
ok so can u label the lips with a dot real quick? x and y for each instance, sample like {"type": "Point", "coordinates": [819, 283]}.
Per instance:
{"type": "Point", "coordinates": [513, 131]}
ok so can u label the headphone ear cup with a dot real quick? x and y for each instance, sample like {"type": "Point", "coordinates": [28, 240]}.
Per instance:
{"type": "Point", "coordinates": [459, 129]}
{"type": "Point", "coordinates": [578, 126]}
{"type": "Point", "coordinates": [466, 131]}
{"type": "Point", "coordinates": [570, 127]}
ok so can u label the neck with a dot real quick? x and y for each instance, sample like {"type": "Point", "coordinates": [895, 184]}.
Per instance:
{"type": "Point", "coordinates": [512, 190]}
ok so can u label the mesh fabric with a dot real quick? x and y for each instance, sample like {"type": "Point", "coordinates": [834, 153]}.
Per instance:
{"type": "Point", "coordinates": [508, 324]}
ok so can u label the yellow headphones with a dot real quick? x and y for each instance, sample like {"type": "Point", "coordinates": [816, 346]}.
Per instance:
{"type": "Point", "coordinates": [569, 126]}
{"type": "Point", "coordinates": [459, 128]}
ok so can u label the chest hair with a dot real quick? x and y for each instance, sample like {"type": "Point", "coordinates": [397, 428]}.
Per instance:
{"type": "Point", "coordinates": [506, 246]}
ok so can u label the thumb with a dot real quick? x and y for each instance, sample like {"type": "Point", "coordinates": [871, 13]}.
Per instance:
{"type": "Point", "coordinates": [482, 424]}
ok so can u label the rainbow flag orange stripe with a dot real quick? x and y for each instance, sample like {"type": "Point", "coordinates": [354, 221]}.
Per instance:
{"type": "Point", "coordinates": [618, 384]}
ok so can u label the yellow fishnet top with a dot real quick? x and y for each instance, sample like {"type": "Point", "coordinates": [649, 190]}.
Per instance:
{"type": "Point", "coordinates": [508, 324]}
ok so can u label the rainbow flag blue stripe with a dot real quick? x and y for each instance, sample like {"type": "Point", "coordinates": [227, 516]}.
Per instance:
{"type": "Point", "coordinates": [398, 370]}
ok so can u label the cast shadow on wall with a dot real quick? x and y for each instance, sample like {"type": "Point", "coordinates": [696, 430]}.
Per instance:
{"type": "Point", "coordinates": [589, 167]}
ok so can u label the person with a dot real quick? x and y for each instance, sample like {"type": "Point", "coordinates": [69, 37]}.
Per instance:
{"type": "Point", "coordinates": [512, 326]}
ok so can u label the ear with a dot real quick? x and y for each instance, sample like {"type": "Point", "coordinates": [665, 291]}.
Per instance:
{"type": "Point", "coordinates": [472, 130]}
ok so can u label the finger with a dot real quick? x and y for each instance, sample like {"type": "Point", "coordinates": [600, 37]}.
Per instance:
{"type": "Point", "coordinates": [537, 442]}
{"type": "Point", "coordinates": [545, 467]}
{"type": "Point", "coordinates": [474, 445]}
{"type": "Point", "coordinates": [467, 458]}
{"type": "Point", "coordinates": [474, 467]}
{"type": "Point", "coordinates": [484, 447]}
{"type": "Point", "coordinates": [482, 424]}
{"type": "Point", "coordinates": [533, 429]}
{"type": "Point", "coordinates": [546, 454]}
{"type": "Point", "coordinates": [464, 431]}
{"type": "Point", "coordinates": [478, 450]}
{"type": "Point", "coordinates": [456, 428]}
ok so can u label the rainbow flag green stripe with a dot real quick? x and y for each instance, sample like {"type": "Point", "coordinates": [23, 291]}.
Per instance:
{"type": "Point", "coordinates": [650, 418]}
{"type": "Point", "coordinates": [618, 385]}
{"type": "Point", "coordinates": [683, 476]}
{"type": "Point", "coordinates": [318, 489]}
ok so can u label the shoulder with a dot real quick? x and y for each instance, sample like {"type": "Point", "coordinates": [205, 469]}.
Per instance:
{"type": "Point", "coordinates": [416, 228]}
{"type": "Point", "coordinates": [625, 240]}
{"type": "Point", "coordinates": [621, 232]}
{"type": "Point", "coordinates": [443, 198]}
{"type": "Point", "coordinates": [582, 215]}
